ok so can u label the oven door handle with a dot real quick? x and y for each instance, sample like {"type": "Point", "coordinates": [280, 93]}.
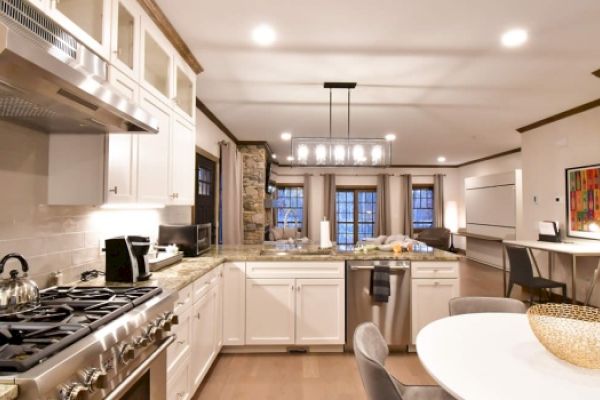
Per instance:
{"type": "Point", "coordinates": [139, 371]}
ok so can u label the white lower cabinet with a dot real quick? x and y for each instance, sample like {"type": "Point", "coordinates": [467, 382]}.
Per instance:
{"type": "Point", "coordinates": [306, 309]}
{"type": "Point", "coordinates": [203, 337]}
{"type": "Point", "coordinates": [270, 311]}
{"type": "Point", "coordinates": [234, 304]}
{"type": "Point", "coordinates": [430, 299]}
{"type": "Point", "coordinates": [179, 381]}
{"type": "Point", "coordinates": [320, 311]}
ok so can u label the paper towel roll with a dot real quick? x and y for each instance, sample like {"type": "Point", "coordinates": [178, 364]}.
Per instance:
{"type": "Point", "coordinates": [325, 235]}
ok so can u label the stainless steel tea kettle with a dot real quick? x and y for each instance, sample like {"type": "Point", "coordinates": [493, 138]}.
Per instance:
{"type": "Point", "coordinates": [17, 294]}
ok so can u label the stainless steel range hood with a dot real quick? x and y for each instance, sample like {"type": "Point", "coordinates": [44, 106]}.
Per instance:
{"type": "Point", "coordinates": [51, 82]}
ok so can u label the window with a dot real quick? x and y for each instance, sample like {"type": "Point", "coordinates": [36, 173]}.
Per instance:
{"type": "Point", "coordinates": [355, 214]}
{"type": "Point", "coordinates": [290, 203]}
{"type": "Point", "coordinates": [422, 211]}
{"type": "Point", "coordinates": [204, 181]}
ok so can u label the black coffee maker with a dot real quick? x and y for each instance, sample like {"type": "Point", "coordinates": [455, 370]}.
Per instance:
{"type": "Point", "coordinates": [126, 259]}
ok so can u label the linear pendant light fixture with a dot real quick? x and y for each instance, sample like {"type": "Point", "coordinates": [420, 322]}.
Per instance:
{"type": "Point", "coordinates": [340, 152]}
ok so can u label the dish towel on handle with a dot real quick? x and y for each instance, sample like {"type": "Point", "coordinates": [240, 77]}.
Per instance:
{"type": "Point", "coordinates": [380, 284]}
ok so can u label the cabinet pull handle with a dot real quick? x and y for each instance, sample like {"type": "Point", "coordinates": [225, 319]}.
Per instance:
{"type": "Point", "coordinates": [114, 190]}
{"type": "Point", "coordinates": [198, 316]}
{"type": "Point", "coordinates": [180, 342]}
{"type": "Point", "coordinates": [292, 287]}
{"type": "Point", "coordinates": [299, 287]}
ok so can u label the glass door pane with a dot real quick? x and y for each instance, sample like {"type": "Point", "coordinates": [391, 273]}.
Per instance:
{"type": "Point", "coordinates": [156, 68]}
{"type": "Point", "coordinates": [87, 14]}
{"type": "Point", "coordinates": [185, 92]}
{"type": "Point", "coordinates": [125, 36]}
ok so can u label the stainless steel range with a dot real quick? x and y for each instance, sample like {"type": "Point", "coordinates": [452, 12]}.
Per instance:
{"type": "Point", "coordinates": [89, 343]}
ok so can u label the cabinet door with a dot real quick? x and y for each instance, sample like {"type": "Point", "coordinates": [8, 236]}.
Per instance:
{"type": "Point", "coordinates": [181, 347]}
{"type": "Point", "coordinates": [202, 344]}
{"type": "Point", "coordinates": [153, 154]}
{"type": "Point", "coordinates": [430, 299]}
{"type": "Point", "coordinates": [87, 20]}
{"type": "Point", "coordinates": [156, 60]}
{"type": "Point", "coordinates": [125, 41]}
{"type": "Point", "coordinates": [183, 162]}
{"type": "Point", "coordinates": [121, 168]}
{"type": "Point", "coordinates": [270, 311]}
{"type": "Point", "coordinates": [234, 304]}
{"type": "Point", "coordinates": [219, 312]}
{"type": "Point", "coordinates": [178, 382]}
{"type": "Point", "coordinates": [185, 89]}
{"type": "Point", "coordinates": [320, 311]}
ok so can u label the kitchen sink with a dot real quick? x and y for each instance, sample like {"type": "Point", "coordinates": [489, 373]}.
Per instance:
{"type": "Point", "coordinates": [296, 252]}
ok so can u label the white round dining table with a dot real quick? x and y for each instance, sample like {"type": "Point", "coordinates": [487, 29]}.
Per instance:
{"type": "Point", "coordinates": [493, 356]}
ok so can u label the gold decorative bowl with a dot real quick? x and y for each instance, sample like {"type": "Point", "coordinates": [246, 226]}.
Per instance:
{"type": "Point", "coordinates": [570, 332]}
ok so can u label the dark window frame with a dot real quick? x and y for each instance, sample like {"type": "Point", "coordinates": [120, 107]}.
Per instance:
{"type": "Point", "coordinates": [356, 190]}
{"type": "Point", "coordinates": [428, 186]}
{"type": "Point", "coordinates": [291, 223]}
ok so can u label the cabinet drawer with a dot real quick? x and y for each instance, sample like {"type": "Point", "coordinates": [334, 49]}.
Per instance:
{"type": "Point", "coordinates": [178, 381]}
{"type": "Point", "coordinates": [185, 299]}
{"type": "Point", "coordinates": [203, 285]}
{"type": "Point", "coordinates": [435, 269]}
{"type": "Point", "coordinates": [178, 350]}
{"type": "Point", "coordinates": [299, 269]}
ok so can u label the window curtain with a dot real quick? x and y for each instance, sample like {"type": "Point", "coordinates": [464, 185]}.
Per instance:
{"type": "Point", "coordinates": [438, 201]}
{"type": "Point", "coordinates": [231, 178]}
{"type": "Point", "coordinates": [383, 221]}
{"type": "Point", "coordinates": [306, 205]}
{"type": "Point", "coordinates": [406, 196]}
{"type": "Point", "coordinates": [329, 208]}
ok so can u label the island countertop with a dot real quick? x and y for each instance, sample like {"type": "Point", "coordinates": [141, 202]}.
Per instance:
{"type": "Point", "coordinates": [178, 276]}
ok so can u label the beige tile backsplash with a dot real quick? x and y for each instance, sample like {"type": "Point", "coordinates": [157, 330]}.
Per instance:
{"type": "Point", "coordinates": [53, 239]}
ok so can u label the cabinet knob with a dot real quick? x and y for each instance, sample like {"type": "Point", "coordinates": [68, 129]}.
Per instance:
{"type": "Point", "coordinates": [114, 190]}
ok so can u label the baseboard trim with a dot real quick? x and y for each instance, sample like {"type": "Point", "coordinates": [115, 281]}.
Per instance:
{"type": "Point", "coordinates": [281, 349]}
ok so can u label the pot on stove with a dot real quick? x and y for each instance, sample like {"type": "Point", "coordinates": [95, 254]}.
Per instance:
{"type": "Point", "coordinates": [17, 293]}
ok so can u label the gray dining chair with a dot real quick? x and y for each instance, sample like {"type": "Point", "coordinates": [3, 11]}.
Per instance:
{"type": "Point", "coordinates": [472, 305]}
{"type": "Point", "coordinates": [371, 351]}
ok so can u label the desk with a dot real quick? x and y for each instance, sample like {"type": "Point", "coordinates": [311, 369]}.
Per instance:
{"type": "Point", "coordinates": [573, 249]}
{"type": "Point", "coordinates": [494, 356]}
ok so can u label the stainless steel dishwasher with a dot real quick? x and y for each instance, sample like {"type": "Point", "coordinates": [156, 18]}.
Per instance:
{"type": "Point", "coordinates": [393, 317]}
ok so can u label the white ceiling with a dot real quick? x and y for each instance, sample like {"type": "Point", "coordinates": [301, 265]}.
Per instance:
{"type": "Point", "coordinates": [431, 71]}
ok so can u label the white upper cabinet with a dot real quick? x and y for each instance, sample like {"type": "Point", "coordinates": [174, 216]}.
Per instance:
{"type": "Point", "coordinates": [125, 40]}
{"type": "Point", "coordinates": [183, 160]}
{"type": "Point", "coordinates": [184, 89]}
{"type": "Point", "coordinates": [156, 60]}
{"type": "Point", "coordinates": [88, 20]}
{"type": "Point", "coordinates": [153, 154]}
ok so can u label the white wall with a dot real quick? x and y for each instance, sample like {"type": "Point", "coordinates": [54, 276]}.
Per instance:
{"type": "Point", "coordinates": [547, 152]}
{"type": "Point", "coordinates": [366, 177]}
{"type": "Point", "coordinates": [208, 135]}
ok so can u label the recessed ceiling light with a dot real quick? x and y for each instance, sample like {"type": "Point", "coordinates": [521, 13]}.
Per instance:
{"type": "Point", "coordinates": [273, 156]}
{"type": "Point", "coordinates": [286, 136]}
{"type": "Point", "coordinates": [290, 158]}
{"type": "Point", "coordinates": [263, 35]}
{"type": "Point", "coordinates": [514, 37]}
{"type": "Point", "coordinates": [390, 137]}
{"type": "Point", "coordinates": [441, 159]}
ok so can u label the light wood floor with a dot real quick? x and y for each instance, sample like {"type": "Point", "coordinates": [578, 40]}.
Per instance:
{"type": "Point", "coordinates": [324, 376]}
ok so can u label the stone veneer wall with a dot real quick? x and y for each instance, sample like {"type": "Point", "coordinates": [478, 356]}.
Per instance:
{"type": "Point", "coordinates": [254, 175]}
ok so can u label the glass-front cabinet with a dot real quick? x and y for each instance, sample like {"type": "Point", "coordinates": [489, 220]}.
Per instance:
{"type": "Point", "coordinates": [185, 88]}
{"type": "Point", "coordinates": [88, 20]}
{"type": "Point", "coordinates": [125, 42]}
{"type": "Point", "coordinates": [157, 61]}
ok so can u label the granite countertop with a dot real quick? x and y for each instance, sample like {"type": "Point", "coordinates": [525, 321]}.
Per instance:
{"type": "Point", "coordinates": [178, 276]}
{"type": "Point", "coordinates": [9, 392]}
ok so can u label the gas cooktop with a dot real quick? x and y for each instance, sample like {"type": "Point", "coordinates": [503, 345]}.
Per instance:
{"type": "Point", "coordinates": [65, 315]}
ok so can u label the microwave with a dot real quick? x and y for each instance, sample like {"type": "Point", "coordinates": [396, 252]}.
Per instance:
{"type": "Point", "coordinates": [193, 240]}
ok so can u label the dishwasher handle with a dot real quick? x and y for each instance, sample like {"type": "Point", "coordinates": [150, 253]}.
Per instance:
{"type": "Point", "coordinates": [371, 267]}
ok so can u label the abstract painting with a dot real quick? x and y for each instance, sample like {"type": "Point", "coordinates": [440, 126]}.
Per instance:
{"type": "Point", "coordinates": [583, 202]}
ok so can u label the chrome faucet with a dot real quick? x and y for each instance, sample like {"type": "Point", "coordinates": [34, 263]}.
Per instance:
{"type": "Point", "coordinates": [286, 215]}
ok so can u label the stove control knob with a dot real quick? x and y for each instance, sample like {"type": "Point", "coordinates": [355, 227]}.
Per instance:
{"type": "Point", "coordinates": [96, 378]}
{"type": "Point", "coordinates": [164, 323]}
{"type": "Point", "coordinates": [174, 319]}
{"type": "Point", "coordinates": [141, 341]}
{"type": "Point", "coordinates": [76, 391]}
{"type": "Point", "coordinates": [127, 353]}
{"type": "Point", "coordinates": [151, 333]}
{"type": "Point", "coordinates": [160, 333]}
